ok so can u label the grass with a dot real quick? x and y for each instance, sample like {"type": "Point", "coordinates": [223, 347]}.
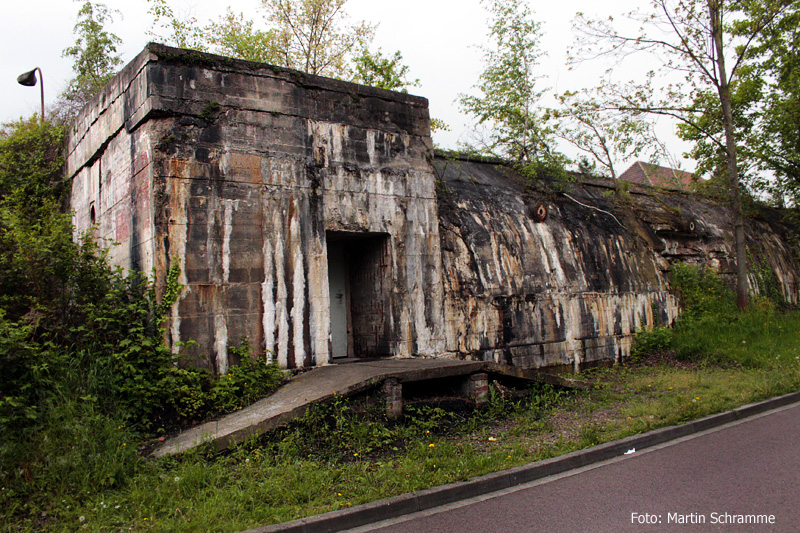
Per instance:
{"type": "Point", "coordinates": [296, 472]}
{"type": "Point", "coordinates": [346, 453]}
{"type": "Point", "coordinates": [755, 339]}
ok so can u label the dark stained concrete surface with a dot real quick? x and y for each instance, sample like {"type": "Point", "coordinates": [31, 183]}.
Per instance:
{"type": "Point", "coordinates": [751, 467]}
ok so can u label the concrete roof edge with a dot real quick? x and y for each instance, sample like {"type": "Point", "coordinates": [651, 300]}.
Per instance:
{"type": "Point", "coordinates": [582, 179]}
{"type": "Point", "coordinates": [189, 57]}
{"type": "Point", "coordinates": [99, 105]}
{"type": "Point", "coordinates": [133, 113]}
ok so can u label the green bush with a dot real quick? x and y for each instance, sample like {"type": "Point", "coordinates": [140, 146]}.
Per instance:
{"type": "Point", "coordinates": [709, 308]}
{"type": "Point", "coordinates": [31, 159]}
{"type": "Point", "coordinates": [651, 340]}
{"type": "Point", "coordinates": [766, 282]}
{"type": "Point", "coordinates": [711, 329]}
{"type": "Point", "coordinates": [84, 372]}
{"type": "Point", "coordinates": [702, 291]}
{"type": "Point", "coordinates": [244, 383]}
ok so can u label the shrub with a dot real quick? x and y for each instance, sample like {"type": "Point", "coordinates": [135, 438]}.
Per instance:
{"type": "Point", "coordinates": [31, 159]}
{"type": "Point", "coordinates": [702, 291]}
{"type": "Point", "coordinates": [84, 372]}
{"type": "Point", "coordinates": [650, 341]}
{"type": "Point", "coordinates": [766, 282]}
{"type": "Point", "coordinates": [711, 329]}
{"type": "Point", "coordinates": [244, 383]}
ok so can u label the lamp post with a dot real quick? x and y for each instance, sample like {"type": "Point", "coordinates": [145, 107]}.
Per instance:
{"type": "Point", "coordinates": [29, 80]}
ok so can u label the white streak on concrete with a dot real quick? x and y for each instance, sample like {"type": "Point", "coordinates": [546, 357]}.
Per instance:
{"type": "Point", "coordinates": [298, 294]}
{"type": "Point", "coordinates": [267, 299]}
{"type": "Point", "coordinates": [319, 301]}
{"type": "Point", "coordinates": [337, 133]}
{"type": "Point", "coordinates": [179, 234]}
{"type": "Point", "coordinates": [550, 251]}
{"type": "Point", "coordinates": [221, 339]}
{"type": "Point", "coordinates": [281, 317]}
{"type": "Point", "coordinates": [373, 158]}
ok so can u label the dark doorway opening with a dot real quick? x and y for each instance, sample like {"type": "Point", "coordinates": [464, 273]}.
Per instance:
{"type": "Point", "coordinates": [359, 276]}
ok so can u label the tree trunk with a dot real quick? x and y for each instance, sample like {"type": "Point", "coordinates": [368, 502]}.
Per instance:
{"type": "Point", "coordinates": [742, 288]}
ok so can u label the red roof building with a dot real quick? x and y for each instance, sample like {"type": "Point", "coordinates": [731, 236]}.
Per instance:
{"type": "Point", "coordinates": [657, 176]}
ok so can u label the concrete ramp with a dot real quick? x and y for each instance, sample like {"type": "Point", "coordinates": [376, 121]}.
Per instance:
{"type": "Point", "coordinates": [321, 384]}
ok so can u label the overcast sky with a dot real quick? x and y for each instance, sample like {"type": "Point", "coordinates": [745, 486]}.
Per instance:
{"type": "Point", "coordinates": [439, 41]}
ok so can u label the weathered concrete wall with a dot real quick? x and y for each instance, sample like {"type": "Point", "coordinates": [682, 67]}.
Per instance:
{"type": "Point", "coordinates": [248, 174]}
{"type": "Point", "coordinates": [109, 160]}
{"type": "Point", "coordinates": [244, 173]}
{"type": "Point", "coordinates": [573, 288]}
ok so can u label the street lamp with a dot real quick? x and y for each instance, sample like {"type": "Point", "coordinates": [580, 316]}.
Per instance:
{"type": "Point", "coordinates": [29, 80]}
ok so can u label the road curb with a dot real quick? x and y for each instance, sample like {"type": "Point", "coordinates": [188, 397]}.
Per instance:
{"type": "Point", "coordinates": [413, 502]}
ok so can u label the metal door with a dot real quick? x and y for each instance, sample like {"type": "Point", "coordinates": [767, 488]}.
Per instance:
{"type": "Point", "coordinates": [337, 278]}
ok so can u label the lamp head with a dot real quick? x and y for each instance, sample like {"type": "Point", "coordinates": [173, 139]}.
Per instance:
{"type": "Point", "coordinates": [28, 79]}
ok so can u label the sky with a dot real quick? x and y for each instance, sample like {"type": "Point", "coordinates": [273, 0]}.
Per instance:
{"type": "Point", "coordinates": [439, 40]}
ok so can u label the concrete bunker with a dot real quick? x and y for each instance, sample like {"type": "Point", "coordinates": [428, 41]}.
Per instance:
{"type": "Point", "coordinates": [290, 180]}
{"type": "Point", "coordinates": [312, 217]}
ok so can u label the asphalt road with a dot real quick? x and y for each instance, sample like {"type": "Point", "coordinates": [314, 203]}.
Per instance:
{"type": "Point", "coordinates": [707, 482]}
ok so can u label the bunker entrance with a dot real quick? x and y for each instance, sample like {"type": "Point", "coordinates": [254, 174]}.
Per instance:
{"type": "Point", "coordinates": [359, 277]}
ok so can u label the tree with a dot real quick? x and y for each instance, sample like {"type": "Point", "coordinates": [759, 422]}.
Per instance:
{"type": "Point", "coordinates": [775, 136]}
{"type": "Point", "coordinates": [383, 72]}
{"type": "Point", "coordinates": [234, 36]}
{"type": "Point", "coordinates": [318, 37]}
{"type": "Point", "coordinates": [94, 54]}
{"type": "Point", "coordinates": [32, 159]}
{"type": "Point", "coordinates": [604, 136]}
{"type": "Point", "coordinates": [184, 32]}
{"type": "Point", "coordinates": [309, 35]}
{"type": "Point", "coordinates": [509, 87]}
{"type": "Point", "coordinates": [707, 127]}
{"type": "Point", "coordinates": [314, 36]}
{"type": "Point", "coordinates": [693, 38]}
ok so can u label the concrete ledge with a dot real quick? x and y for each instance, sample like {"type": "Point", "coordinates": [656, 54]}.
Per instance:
{"type": "Point", "coordinates": [427, 499]}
